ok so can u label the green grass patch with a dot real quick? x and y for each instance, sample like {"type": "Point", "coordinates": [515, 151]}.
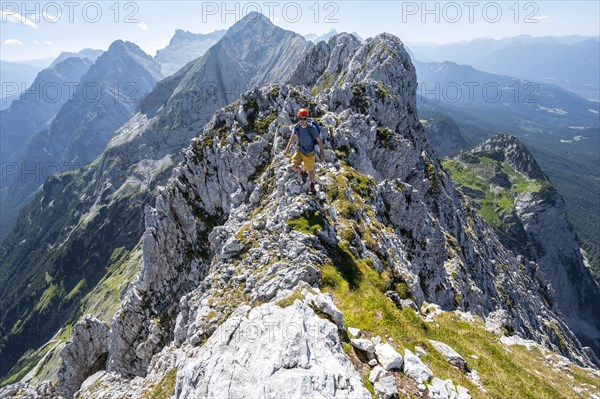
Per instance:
{"type": "Point", "coordinates": [347, 265]}
{"type": "Point", "coordinates": [325, 83]}
{"type": "Point", "coordinates": [76, 290]}
{"type": "Point", "coordinates": [492, 206]}
{"type": "Point", "coordinates": [26, 363]}
{"type": "Point", "coordinates": [289, 300]}
{"type": "Point", "coordinates": [51, 293]}
{"type": "Point", "coordinates": [384, 134]}
{"type": "Point", "coordinates": [310, 222]}
{"type": "Point", "coordinates": [506, 372]}
{"type": "Point", "coordinates": [262, 125]}
{"type": "Point", "coordinates": [164, 389]}
{"type": "Point", "coordinates": [382, 91]}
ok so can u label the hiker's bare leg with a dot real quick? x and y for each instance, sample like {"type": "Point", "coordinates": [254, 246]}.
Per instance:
{"type": "Point", "coordinates": [297, 169]}
{"type": "Point", "coordinates": [312, 177]}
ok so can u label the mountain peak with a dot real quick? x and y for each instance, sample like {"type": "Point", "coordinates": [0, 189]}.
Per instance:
{"type": "Point", "coordinates": [252, 19]}
{"type": "Point", "coordinates": [123, 50]}
{"type": "Point", "coordinates": [507, 147]}
{"type": "Point", "coordinates": [88, 53]}
{"type": "Point", "coordinates": [120, 45]}
{"type": "Point", "coordinates": [182, 36]}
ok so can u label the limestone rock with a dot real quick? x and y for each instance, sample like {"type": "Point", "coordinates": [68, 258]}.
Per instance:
{"type": "Point", "coordinates": [21, 390]}
{"type": "Point", "coordinates": [364, 345]}
{"type": "Point", "coordinates": [450, 355]}
{"type": "Point", "coordinates": [420, 351]}
{"type": "Point", "coordinates": [388, 357]}
{"type": "Point", "coordinates": [299, 355]}
{"type": "Point", "coordinates": [377, 373]}
{"type": "Point", "coordinates": [84, 355]}
{"type": "Point", "coordinates": [325, 304]}
{"type": "Point", "coordinates": [445, 389]}
{"type": "Point", "coordinates": [354, 332]}
{"type": "Point", "coordinates": [415, 368]}
{"type": "Point", "coordinates": [386, 388]}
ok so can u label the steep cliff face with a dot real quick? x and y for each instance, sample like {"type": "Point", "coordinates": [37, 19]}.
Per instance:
{"type": "Point", "coordinates": [233, 240]}
{"type": "Point", "coordinates": [444, 135]}
{"type": "Point", "coordinates": [501, 176]}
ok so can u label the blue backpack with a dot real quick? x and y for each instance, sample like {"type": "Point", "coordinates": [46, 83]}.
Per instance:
{"type": "Point", "coordinates": [315, 124]}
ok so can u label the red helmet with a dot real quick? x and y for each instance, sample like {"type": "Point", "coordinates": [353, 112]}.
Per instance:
{"type": "Point", "coordinates": [302, 113]}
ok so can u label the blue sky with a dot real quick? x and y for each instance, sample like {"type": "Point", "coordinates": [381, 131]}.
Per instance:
{"type": "Point", "coordinates": [34, 30]}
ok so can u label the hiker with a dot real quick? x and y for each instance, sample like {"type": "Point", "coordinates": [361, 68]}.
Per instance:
{"type": "Point", "coordinates": [308, 135]}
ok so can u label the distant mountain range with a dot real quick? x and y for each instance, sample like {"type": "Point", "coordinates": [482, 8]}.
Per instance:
{"type": "Point", "coordinates": [560, 128]}
{"type": "Point", "coordinates": [535, 105]}
{"type": "Point", "coordinates": [15, 77]}
{"type": "Point", "coordinates": [184, 47]}
{"type": "Point", "coordinates": [22, 74]}
{"type": "Point", "coordinates": [105, 98]}
{"type": "Point", "coordinates": [571, 62]}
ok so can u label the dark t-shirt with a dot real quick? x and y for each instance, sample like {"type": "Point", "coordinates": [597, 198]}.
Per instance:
{"type": "Point", "coordinates": [306, 137]}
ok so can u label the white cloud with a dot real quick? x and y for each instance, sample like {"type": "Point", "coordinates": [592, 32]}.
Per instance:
{"type": "Point", "coordinates": [15, 18]}
{"type": "Point", "coordinates": [12, 42]}
{"type": "Point", "coordinates": [540, 17]}
{"type": "Point", "coordinates": [36, 42]}
{"type": "Point", "coordinates": [48, 43]}
{"type": "Point", "coordinates": [142, 25]}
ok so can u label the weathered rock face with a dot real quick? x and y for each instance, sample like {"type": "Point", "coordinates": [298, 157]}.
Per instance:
{"type": "Point", "coordinates": [84, 355]}
{"type": "Point", "coordinates": [44, 390]}
{"type": "Point", "coordinates": [444, 135]}
{"type": "Point", "coordinates": [270, 352]}
{"type": "Point", "coordinates": [535, 226]}
{"type": "Point", "coordinates": [325, 62]}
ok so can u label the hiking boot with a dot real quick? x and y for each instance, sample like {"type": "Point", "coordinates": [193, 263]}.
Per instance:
{"type": "Point", "coordinates": [304, 176]}
{"type": "Point", "coordinates": [312, 190]}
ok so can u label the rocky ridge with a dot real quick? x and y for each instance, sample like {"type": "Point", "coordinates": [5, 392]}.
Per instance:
{"type": "Point", "coordinates": [232, 234]}
{"type": "Point", "coordinates": [235, 250]}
